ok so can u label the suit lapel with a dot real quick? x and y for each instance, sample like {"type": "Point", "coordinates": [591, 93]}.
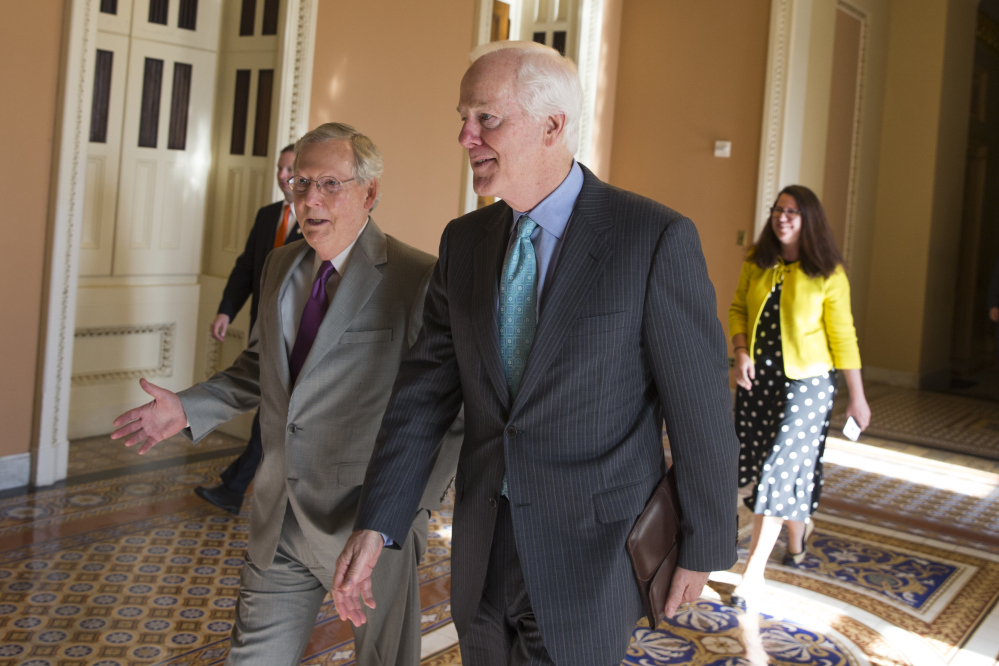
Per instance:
{"type": "Point", "coordinates": [286, 264]}
{"type": "Point", "coordinates": [583, 257]}
{"type": "Point", "coordinates": [487, 264]}
{"type": "Point", "coordinates": [354, 290]}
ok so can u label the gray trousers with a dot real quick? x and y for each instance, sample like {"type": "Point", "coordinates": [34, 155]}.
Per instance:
{"type": "Point", "coordinates": [504, 631]}
{"type": "Point", "coordinates": [277, 607]}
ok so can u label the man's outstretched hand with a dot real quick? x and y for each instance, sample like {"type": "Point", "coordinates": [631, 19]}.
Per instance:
{"type": "Point", "coordinates": [685, 588]}
{"type": "Point", "coordinates": [352, 581]}
{"type": "Point", "coordinates": [154, 421]}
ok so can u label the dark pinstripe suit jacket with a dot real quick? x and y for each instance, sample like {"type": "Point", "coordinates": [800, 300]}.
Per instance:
{"type": "Point", "coordinates": [628, 336]}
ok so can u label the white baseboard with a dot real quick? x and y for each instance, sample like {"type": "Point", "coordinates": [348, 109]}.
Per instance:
{"type": "Point", "coordinates": [899, 378]}
{"type": "Point", "coordinates": [932, 380]}
{"type": "Point", "coordinates": [15, 470]}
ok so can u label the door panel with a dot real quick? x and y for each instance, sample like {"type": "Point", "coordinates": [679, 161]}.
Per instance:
{"type": "Point", "coordinates": [115, 16]}
{"type": "Point", "coordinates": [103, 159]}
{"type": "Point", "coordinates": [243, 181]}
{"type": "Point", "coordinates": [161, 211]}
{"type": "Point", "coordinates": [204, 36]}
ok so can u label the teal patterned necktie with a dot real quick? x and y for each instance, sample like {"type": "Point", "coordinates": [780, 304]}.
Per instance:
{"type": "Point", "coordinates": [517, 304]}
{"type": "Point", "coordinates": [517, 308]}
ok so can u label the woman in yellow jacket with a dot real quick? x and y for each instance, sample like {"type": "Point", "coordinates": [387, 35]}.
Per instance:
{"type": "Point", "coordinates": [792, 329]}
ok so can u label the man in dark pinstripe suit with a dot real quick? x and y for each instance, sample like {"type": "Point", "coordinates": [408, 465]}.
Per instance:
{"type": "Point", "coordinates": [572, 319]}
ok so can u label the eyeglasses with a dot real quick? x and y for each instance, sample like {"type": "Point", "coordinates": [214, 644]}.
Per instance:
{"type": "Point", "coordinates": [327, 185]}
{"type": "Point", "coordinates": [778, 211]}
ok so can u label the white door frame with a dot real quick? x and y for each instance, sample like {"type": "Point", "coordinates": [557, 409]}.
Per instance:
{"type": "Point", "coordinates": [794, 63]}
{"type": "Point", "coordinates": [50, 444]}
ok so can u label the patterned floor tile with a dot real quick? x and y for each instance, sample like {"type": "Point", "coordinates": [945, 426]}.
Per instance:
{"type": "Point", "coordinates": [941, 421]}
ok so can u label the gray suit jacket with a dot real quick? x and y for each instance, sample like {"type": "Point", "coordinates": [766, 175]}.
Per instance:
{"type": "Point", "coordinates": [628, 337]}
{"type": "Point", "coordinates": [318, 437]}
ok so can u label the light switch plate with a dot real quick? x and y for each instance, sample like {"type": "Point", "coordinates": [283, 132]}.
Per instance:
{"type": "Point", "coordinates": [723, 149]}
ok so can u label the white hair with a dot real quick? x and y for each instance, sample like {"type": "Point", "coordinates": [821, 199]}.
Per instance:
{"type": "Point", "coordinates": [547, 84]}
{"type": "Point", "coordinates": [368, 163]}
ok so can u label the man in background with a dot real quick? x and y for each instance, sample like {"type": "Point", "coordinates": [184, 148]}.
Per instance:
{"type": "Point", "coordinates": [276, 225]}
{"type": "Point", "coordinates": [571, 319]}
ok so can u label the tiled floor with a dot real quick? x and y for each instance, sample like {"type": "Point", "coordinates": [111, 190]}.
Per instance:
{"type": "Point", "coordinates": [131, 568]}
{"type": "Point", "coordinates": [937, 420]}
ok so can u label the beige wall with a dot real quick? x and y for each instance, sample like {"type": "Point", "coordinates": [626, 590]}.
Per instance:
{"type": "Point", "coordinates": [924, 137]}
{"type": "Point", "coordinates": [392, 70]}
{"type": "Point", "coordinates": [29, 50]}
{"type": "Point", "coordinates": [692, 73]}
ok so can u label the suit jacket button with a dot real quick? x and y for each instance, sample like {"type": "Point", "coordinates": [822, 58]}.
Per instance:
{"type": "Point", "coordinates": [492, 502]}
{"type": "Point", "coordinates": [511, 431]}
{"type": "Point", "coordinates": [291, 429]}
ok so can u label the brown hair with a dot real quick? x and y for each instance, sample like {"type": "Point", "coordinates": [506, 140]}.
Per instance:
{"type": "Point", "coordinates": [818, 252]}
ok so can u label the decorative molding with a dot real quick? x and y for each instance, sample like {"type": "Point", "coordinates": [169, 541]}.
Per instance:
{"type": "Point", "coordinates": [51, 446]}
{"type": "Point", "coordinates": [164, 369]}
{"type": "Point", "coordinates": [773, 109]}
{"type": "Point", "coordinates": [301, 89]}
{"type": "Point", "coordinates": [853, 182]}
{"type": "Point", "coordinates": [296, 51]}
{"type": "Point", "coordinates": [213, 354]}
{"type": "Point", "coordinates": [590, 28]}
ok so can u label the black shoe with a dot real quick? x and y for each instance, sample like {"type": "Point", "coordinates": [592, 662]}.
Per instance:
{"type": "Point", "coordinates": [221, 497]}
{"type": "Point", "coordinates": [794, 559]}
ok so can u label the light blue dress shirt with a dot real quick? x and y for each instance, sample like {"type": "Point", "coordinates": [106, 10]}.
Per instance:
{"type": "Point", "coordinates": [552, 216]}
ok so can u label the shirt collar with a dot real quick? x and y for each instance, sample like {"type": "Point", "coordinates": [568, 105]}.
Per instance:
{"type": "Point", "coordinates": [340, 260]}
{"type": "Point", "coordinates": [291, 212]}
{"type": "Point", "coordinates": [552, 214]}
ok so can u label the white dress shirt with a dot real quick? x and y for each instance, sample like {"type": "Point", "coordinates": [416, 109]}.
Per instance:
{"type": "Point", "coordinates": [297, 293]}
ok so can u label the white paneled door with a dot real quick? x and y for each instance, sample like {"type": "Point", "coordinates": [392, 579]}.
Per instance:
{"type": "Point", "coordinates": [165, 158]}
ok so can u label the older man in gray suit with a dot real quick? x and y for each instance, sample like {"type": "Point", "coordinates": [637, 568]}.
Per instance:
{"type": "Point", "coordinates": [572, 319]}
{"type": "Point", "coordinates": [337, 313]}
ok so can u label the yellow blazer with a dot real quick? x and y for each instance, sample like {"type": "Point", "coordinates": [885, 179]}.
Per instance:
{"type": "Point", "coordinates": [816, 323]}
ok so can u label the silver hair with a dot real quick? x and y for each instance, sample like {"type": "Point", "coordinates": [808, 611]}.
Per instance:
{"type": "Point", "coordinates": [547, 84]}
{"type": "Point", "coordinates": [368, 163]}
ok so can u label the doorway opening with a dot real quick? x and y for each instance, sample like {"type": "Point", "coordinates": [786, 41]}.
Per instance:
{"type": "Point", "coordinates": [974, 348]}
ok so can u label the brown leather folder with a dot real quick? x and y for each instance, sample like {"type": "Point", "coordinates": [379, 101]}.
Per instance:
{"type": "Point", "coordinates": [653, 545]}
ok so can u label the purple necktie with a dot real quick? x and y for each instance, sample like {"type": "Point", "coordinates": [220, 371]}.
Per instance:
{"type": "Point", "coordinates": [312, 317]}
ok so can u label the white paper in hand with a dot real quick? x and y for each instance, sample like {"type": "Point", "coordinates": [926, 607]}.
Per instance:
{"type": "Point", "coordinates": [851, 429]}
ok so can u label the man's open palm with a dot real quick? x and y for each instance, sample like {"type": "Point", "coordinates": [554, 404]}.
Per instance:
{"type": "Point", "coordinates": [154, 421]}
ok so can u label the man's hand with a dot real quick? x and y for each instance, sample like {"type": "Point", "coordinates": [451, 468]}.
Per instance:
{"type": "Point", "coordinates": [685, 588]}
{"type": "Point", "coordinates": [220, 326]}
{"type": "Point", "coordinates": [352, 581]}
{"type": "Point", "coordinates": [153, 422]}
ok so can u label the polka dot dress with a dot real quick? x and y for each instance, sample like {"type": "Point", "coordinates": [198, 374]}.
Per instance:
{"type": "Point", "coordinates": [782, 425]}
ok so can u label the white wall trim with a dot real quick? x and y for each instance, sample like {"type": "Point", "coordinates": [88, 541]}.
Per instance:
{"type": "Point", "coordinates": [853, 186]}
{"type": "Point", "coordinates": [15, 471]}
{"type": "Point", "coordinates": [772, 136]}
{"type": "Point", "coordinates": [590, 28]}
{"type": "Point", "coordinates": [51, 446]}
{"type": "Point", "coordinates": [296, 53]}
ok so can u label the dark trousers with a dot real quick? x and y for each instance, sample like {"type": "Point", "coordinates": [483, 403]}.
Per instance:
{"type": "Point", "coordinates": [504, 631]}
{"type": "Point", "coordinates": [237, 476]}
